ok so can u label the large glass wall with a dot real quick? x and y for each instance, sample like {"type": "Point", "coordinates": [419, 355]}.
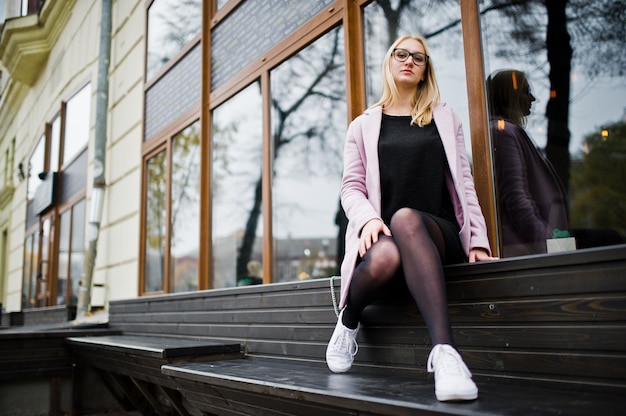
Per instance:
{"type": "Point", "coordinates": [276, 118]}
{"type": "Point", "coordinates": [236, 189]}
{"type": "Point", "coordinates": [557, 99]}
{"type": "Point", "coordinates": [308, 129]}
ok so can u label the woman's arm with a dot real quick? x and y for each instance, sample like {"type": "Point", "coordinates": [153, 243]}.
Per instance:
{"type": "Point", "coordinates": [354, 192]}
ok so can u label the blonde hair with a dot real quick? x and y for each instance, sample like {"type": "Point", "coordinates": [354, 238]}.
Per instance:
{"type": "Point", "coordinates": [504, 90]}
{"type": "Point", "coordinates": [426, 92]}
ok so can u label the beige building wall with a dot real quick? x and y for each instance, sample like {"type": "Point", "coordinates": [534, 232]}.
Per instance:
{"type": "Point", "coordinates": [25, 109]}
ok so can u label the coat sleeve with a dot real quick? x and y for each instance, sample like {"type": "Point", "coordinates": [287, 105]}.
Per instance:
{"type": "Point", "coordinates": [354, 192]}
{"type": "Point", "coordinates": [513, 187]}
{"type": "Point", "coordinates": [474, 215]}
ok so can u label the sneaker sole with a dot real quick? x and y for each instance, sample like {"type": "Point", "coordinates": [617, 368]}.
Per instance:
{"type": "Point", "coordinates": [338, 369]}
{"type": "Point", "coordinates": [456, 396]}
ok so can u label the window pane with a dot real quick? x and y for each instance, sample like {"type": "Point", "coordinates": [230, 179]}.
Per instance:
{"type": "Point", "coordinates": [185, 211]}
{"type": "Point", "coordinates": [29, 264]}
{"type": "Point", "coordinates": [77, 253]}
{"type": "Point", "coordinates": [237, 225]}
{"type": "Point", "coordinates": [43, 291]}
{"type": "Point", "coordinates": [156, 223]}
{"type": "Point", "coordinates": [63, 256]}
{"type": "Point", "coordinates": [308, 133]}
{"type": "Point", "coordinates": [557, 124]}
{"type": "Point", "coordinates": [35, 167]}
{"type": "Point", "coordinates": [78, 111]}
{"type": "Point", "coordinates": [55, 143]}
{"type": "Point", "coordinates": [171, 25]}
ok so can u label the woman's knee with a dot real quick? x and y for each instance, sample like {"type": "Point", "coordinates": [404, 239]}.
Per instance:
{"type": "Point", "coordinates": [384, 257]}
{"type": "Point", "coordinates": [407, 219]}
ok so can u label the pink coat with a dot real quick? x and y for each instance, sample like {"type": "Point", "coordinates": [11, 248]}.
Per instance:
{"type": "Point", "coordinates": [360, 187]}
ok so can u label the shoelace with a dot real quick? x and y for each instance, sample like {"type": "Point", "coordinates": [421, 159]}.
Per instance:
{"type": "Point", "coordinates": [448, 362]}
{"type": "Point", "coordinates": [345, 342]}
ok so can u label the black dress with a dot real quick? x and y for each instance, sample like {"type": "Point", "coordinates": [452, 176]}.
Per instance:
{"type": "Point", "coordinates": [412, 164]}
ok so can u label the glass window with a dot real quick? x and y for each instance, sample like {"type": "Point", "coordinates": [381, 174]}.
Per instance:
{"type": "Point", "coordinates": [63, 256]}
{"type": "Point", "coordinates": [237, 225]}
{"type": "Point", "coordinates": [171, 25]}
{"type": "Point", "coordinates": [36, 165]}
{"type": "Point", "coordinates": [77, 116]}
{"type": "Point", "coordinates": [55, 142]}
{"type": "Point", "coordinates": [77, 251]}
{"type": "Point", "coordinates": [43, 276]}
{"type": "Point", "coordinates": [29, 279]}
{"type": "Point", "coordinates": [185, 209]}
{"type": "Point", "coordinates": [155, 223]}
{"type": "Point", "coordinates": [308, 125]}
{"type": "Point", "coordinates": [557, 120]}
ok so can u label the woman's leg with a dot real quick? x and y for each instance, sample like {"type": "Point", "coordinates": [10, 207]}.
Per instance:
{"type": "Point", "coordinates": [379, 266]}
{"type": "Point", "coordinates": [422, 248]}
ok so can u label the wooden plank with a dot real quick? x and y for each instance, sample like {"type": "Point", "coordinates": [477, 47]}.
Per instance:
{"type": "Point", "coordinates": [384, 391]}
{"type": "Point", "coordinates": [158, 347]}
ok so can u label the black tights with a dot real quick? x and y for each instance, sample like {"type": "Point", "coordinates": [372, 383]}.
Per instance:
{"type": "Point", "coordinates": [418, 246]}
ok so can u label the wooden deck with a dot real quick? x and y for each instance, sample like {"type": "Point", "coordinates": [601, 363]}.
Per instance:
{"type": "Point", "coordinates": [542, 335]}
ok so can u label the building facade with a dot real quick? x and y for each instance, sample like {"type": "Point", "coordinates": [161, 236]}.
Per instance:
{"type": "Point", "coordinates": [225, 125]}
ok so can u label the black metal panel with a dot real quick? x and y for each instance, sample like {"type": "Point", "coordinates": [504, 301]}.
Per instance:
{"type": "Point", "coordinates": [74, 177]}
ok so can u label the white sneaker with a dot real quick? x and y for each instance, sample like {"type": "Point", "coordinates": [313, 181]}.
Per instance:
{"type": "Point", "coordinates": [453, 380]}
{"type": "Point", "coordinates": [342, 347]}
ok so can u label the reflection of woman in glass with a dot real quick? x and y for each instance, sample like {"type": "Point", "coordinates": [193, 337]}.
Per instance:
{"type": "Point", "coordinates": [409, 196]}
{"type": "Point", "coordinates": [532, 200]}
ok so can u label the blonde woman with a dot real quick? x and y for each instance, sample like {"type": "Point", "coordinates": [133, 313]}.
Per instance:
{"type": "Point", "coordinates": [409, 196]}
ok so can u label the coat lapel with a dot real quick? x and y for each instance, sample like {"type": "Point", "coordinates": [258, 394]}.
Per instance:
{"type": "Point", "coordinates": [371, 134]}
{"type": "Point", "coordinates": [446, 127]}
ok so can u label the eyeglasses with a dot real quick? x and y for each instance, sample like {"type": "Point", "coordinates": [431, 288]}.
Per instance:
{"type": "Point", "coordinates": [402, 55]}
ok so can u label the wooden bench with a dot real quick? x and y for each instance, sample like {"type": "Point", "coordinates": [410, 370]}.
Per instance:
{"type": "Point", "coordinates": [37, 368]}
{"type": "Point", "coordinates": [542, 335]}
{"type": "Point", "coordinates": [40, 351]}
{"type": "Point", "coordinates": [130, 366]}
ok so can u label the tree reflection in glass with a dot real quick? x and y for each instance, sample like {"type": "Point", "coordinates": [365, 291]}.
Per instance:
{"type": "Point", "coordinates": [572, 54]}
{"type": "Point", "coordinates": [236, 148]}
{"type": "Point", "coordinates": [171, 24]}
{"type": "Point", "coordinates": [185, 210]}
{"type": "Point", "coordinates": [154, 254]}
{"type": "Point", "coordinates": [308, 127]}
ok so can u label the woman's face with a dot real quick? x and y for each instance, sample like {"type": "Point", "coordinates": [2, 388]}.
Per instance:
{"type": "Point", "coordinates": [526, 98]}
{"type": "Point", "coordinates": [407, 73]}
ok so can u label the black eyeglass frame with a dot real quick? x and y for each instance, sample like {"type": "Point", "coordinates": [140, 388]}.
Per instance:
{"type": "Point", "coordinates": [412, 55]}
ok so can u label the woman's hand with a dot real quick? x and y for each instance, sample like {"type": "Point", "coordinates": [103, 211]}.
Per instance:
{"type": "Point", "coordinates": [480, 254]}
{"type": "Point", "coordinates": [369, 234]}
